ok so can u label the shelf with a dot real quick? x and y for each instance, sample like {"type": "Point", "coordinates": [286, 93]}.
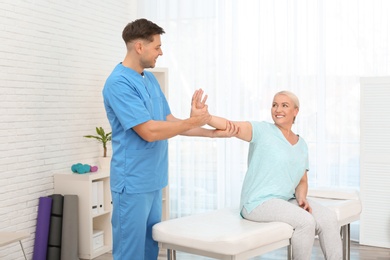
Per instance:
{"type": "Point", "coordinates": [101, 214]}
{"type": "Point", "coordinates": [82, 186]}
{"type": "Point", "coordinates": [100, 251]}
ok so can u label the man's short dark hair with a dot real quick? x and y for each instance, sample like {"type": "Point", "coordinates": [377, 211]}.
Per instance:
{"type": "Point", "coordinates": [141, 29]}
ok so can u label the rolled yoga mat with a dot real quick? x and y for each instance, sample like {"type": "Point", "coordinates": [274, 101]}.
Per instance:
{"type": "Point", "coordinates": [70, 228]}
{"type": "Point", "coordinates": [42, 228]}
{"type": "Point", "coordinates": [55, 232]}
{"type": "Point", "coordinates": [58, 204]}
{"type": "Point", "coordinates": [53, 253]}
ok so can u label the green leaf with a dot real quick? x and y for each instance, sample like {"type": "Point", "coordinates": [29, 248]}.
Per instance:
{"type": "Point", "coordinates": [101, 137]}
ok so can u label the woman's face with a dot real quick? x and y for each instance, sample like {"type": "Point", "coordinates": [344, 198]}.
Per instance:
{"type": "Point", "coordinates": [283, 110]}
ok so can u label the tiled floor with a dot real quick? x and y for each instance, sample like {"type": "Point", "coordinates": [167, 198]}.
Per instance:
{"type": "Point", "coordinates": [358, 252]}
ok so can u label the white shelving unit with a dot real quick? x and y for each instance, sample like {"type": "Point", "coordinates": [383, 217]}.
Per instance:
{"type": "Point", "coordinates": [82, 186]}
{"type": "Point", "coordinates": [161, 75]}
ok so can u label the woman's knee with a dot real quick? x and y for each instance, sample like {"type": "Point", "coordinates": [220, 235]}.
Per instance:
{"type": "Point", "coordinates": [306, 224]}
{"type": "Point", "coordinates": [327, 224]}
{"type": "Point", "coordinates": [310, 223]}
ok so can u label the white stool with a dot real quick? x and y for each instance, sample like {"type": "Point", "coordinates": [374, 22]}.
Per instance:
{"type": "Point", "coordinates": [223, 234]}
{"type": "Point", "coordinates": [347, 205]}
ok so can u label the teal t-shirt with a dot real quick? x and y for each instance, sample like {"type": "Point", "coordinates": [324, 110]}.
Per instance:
{"type": "Point", "coordinates": [275, 167]}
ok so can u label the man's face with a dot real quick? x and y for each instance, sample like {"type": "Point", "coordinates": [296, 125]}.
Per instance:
{"type": "Point", "coordinates": [150, 52]}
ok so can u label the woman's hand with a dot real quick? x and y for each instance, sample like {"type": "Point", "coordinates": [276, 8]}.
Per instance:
{"type": "Point", "coordinates": [199, 109]}
{"type": "Point", "coordinates": [198, 103]}
{"type": "Point", "coordinates": [301, 193]}
{"type": "Point", "coordinates": [303, 203]}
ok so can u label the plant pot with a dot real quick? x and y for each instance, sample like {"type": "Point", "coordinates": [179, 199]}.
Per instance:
{"type": "Point", "coordinates": [104, 163]}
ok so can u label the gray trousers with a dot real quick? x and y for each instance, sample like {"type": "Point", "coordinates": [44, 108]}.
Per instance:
{"type": "Point", "coordinates": [322, 222]}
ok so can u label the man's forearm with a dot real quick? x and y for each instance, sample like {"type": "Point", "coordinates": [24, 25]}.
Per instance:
{"type": "Point", "coordinates": [199, 131]}
{"type": "Point", "coordinates": [160, 130]}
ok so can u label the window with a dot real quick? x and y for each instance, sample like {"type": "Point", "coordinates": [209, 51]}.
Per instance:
{"type": "Point", "coordinates": [241, 54]}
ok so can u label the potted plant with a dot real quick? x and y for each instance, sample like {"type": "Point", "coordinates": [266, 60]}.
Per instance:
{"type": "Point", "coordinates": [103, 138]}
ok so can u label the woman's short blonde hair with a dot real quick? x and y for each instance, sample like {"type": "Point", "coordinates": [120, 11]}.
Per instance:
{"type": "Point", "coordinates": [291, 95]}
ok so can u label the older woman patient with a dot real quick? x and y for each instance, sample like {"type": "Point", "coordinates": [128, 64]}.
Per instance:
{"type": "Point", "coordinates": [276, 182]}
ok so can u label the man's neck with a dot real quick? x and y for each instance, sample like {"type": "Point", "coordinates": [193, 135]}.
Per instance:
{"type": "Point", "coordinates": [129, 63]}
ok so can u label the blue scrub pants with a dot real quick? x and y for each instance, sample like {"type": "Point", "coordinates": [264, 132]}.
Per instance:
{"type": "Point", "coordinates": [132, 220]}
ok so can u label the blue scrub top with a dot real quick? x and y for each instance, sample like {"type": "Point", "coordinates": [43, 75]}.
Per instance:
{"type": "Point", "coordinates": [131, 99]}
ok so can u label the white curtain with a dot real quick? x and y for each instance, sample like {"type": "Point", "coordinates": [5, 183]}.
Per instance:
{"type": "Point", "coordinates": [241, 53]}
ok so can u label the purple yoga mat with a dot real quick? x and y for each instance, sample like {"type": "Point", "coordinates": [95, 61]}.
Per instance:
{"type": "Point", "coordinates": [42, 228]}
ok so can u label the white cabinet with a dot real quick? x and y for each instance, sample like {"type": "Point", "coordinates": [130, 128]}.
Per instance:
{"type": "Point", "coordinates": [95, 236]}
{"type": "Point", "coordinates": [165, 203]}
{"type": "Point", "coordinates": [161, 75]}
{"type": "Point", "coordinates": [374, 161]}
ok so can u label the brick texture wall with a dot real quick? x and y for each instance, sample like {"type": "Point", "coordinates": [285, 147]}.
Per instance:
{"type": "Point", "coordinates": [54, 59]}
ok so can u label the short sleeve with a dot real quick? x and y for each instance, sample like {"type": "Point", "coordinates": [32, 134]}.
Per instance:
{"type": "Point", "coordinates": [124, 102]}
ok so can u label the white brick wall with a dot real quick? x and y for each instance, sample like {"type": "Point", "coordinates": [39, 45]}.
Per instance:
{"type": "Point", "coordinates": [54, 58]}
